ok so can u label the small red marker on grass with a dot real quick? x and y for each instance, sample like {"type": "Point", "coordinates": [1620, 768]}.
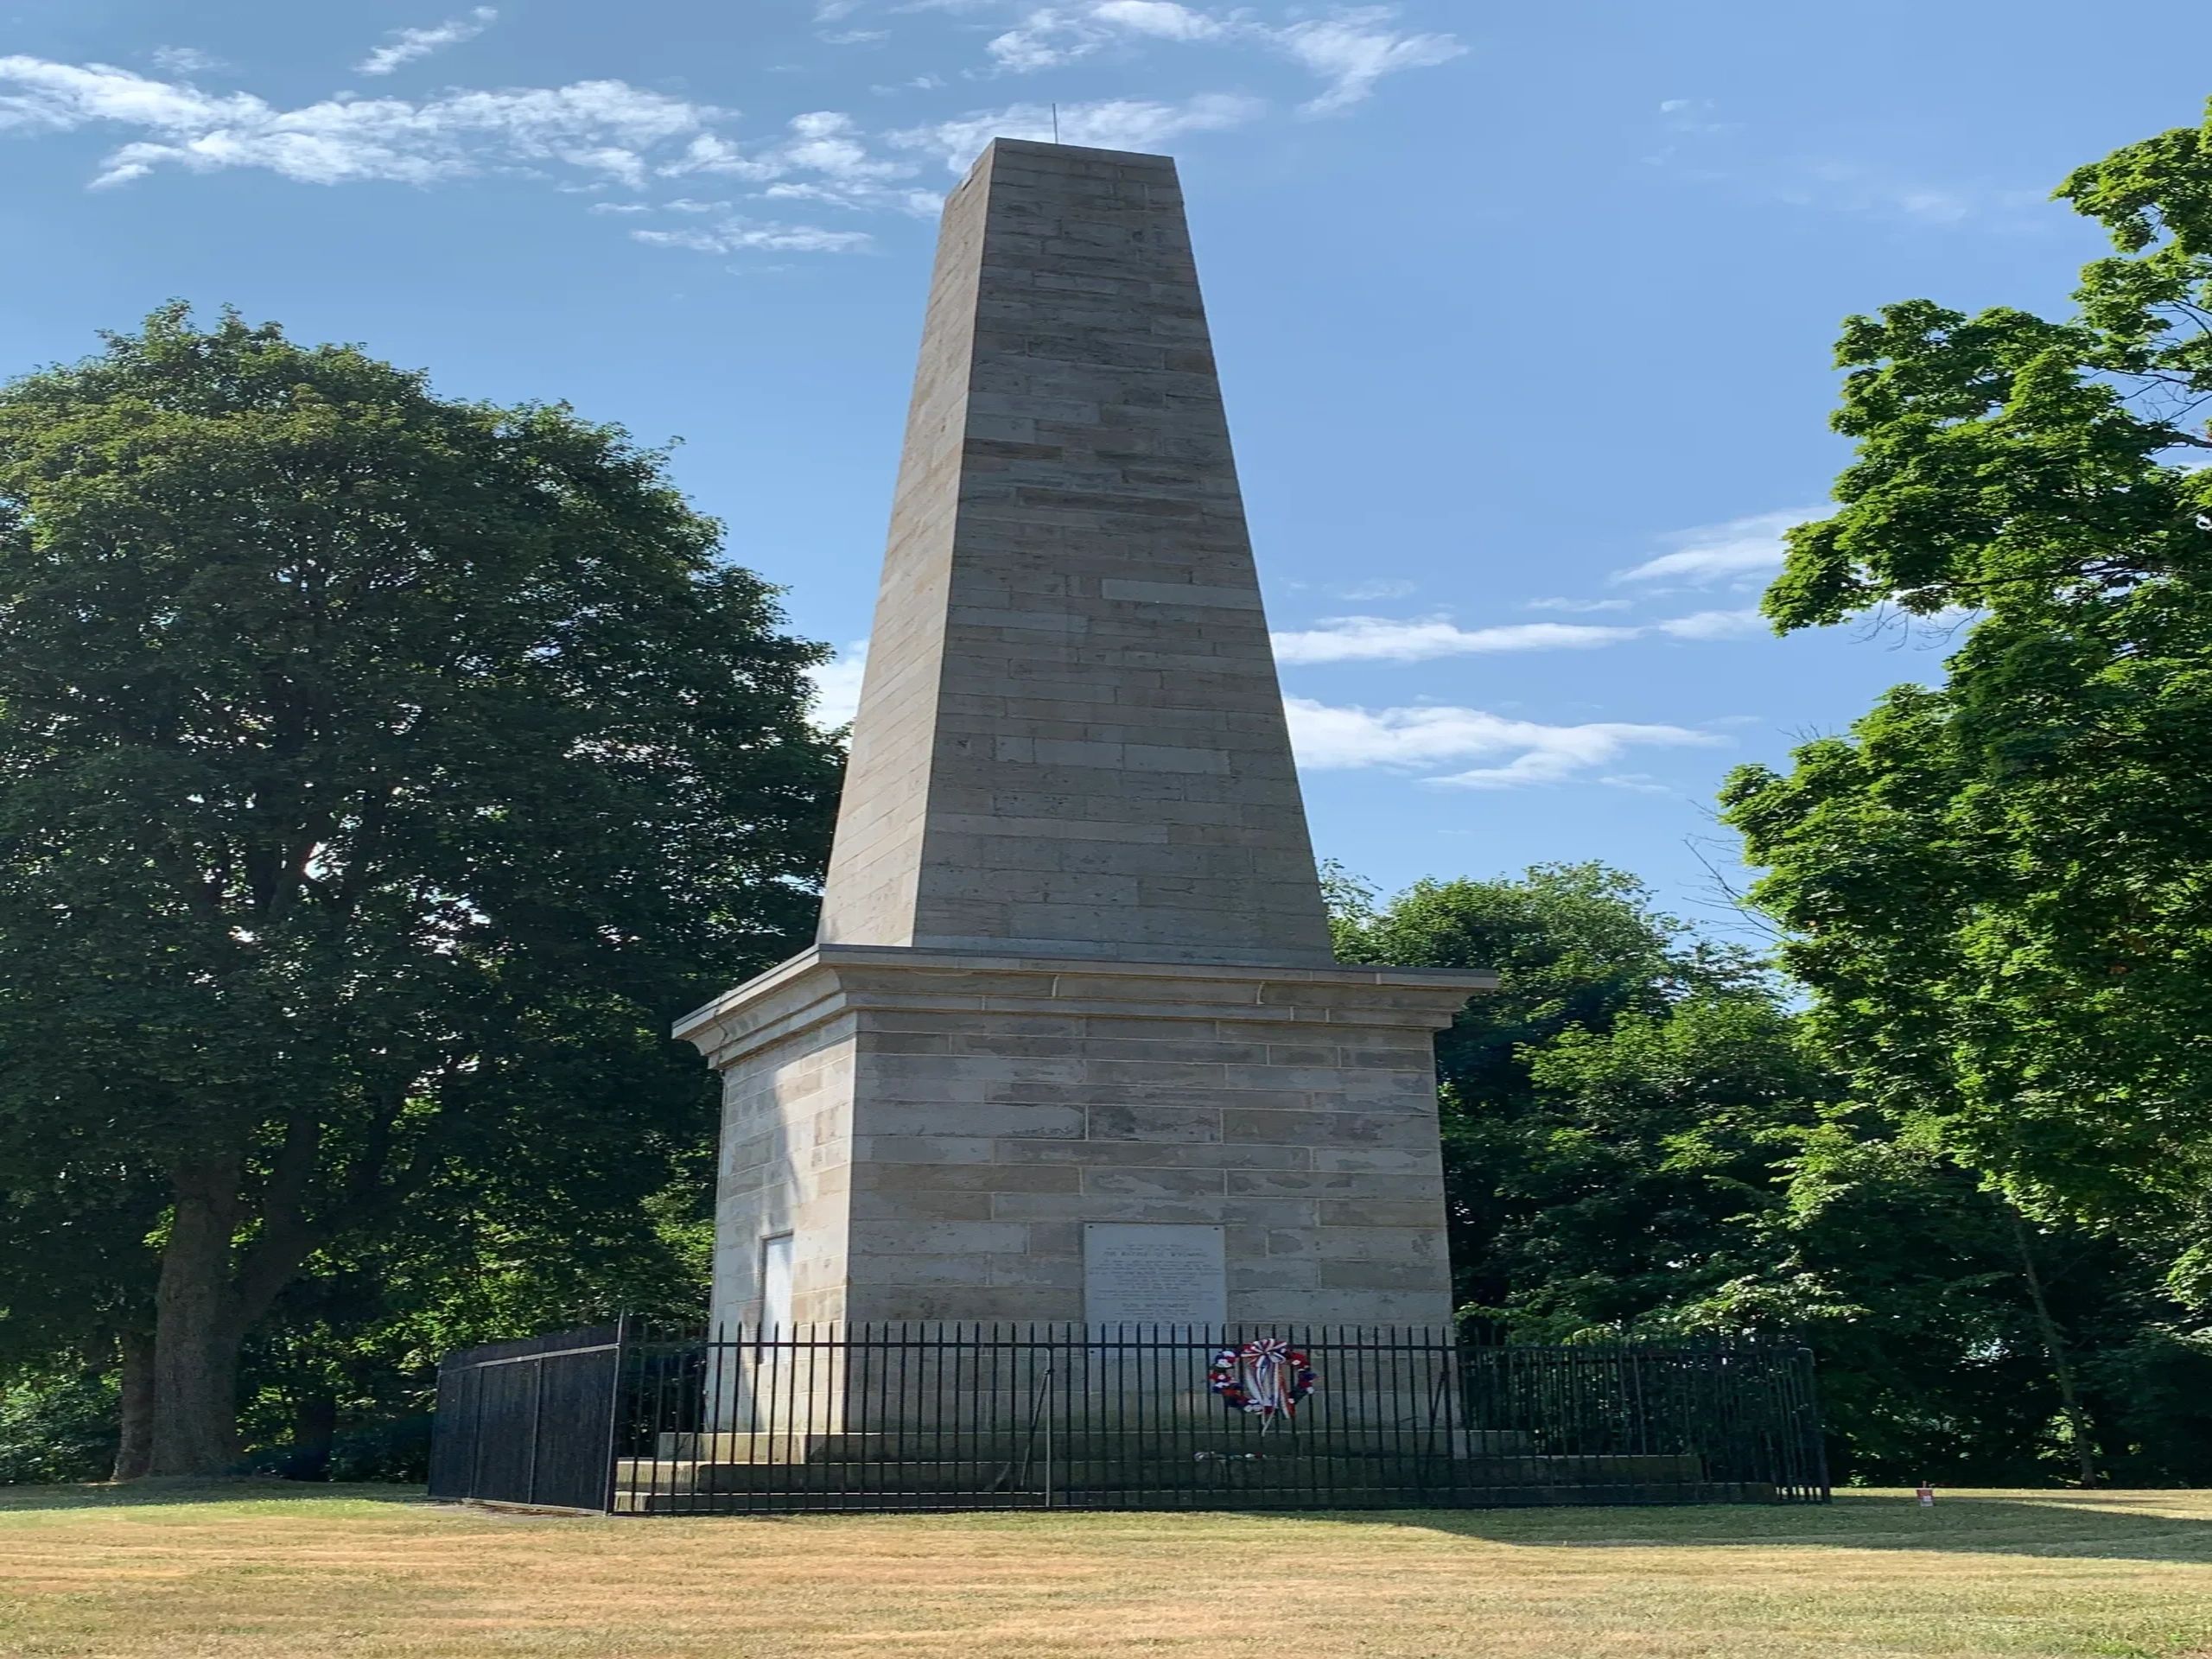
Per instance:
{"type": "Point", "coordinates": [1927, 1496]}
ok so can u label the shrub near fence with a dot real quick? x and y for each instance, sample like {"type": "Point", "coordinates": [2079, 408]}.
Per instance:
{"type": "Point", "coordinates": [963, 1416]}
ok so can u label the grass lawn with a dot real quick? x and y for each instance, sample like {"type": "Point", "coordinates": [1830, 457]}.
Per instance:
{"type": "Point", "coordinates": [253, 1570]}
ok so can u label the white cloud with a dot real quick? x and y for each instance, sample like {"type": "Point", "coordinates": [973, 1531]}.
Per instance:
{"type": "Point", "coordinates": [1387, 639]}
{"type": "Point", "coordinates": [830, 149]}
{"type": "Point", "coordinates": [1693, 115]}
{"type": "Point", "coordinates": [1116, 123]}
{"type": "Point", "coordinates": [1706, 149]}
{"type": "Point", "coordinates": [405, 45]}
{"type": "Point", "coordinates": [1576, 604]}
{"type": "Point", "coordinates": [604, 134]}
{"type": "Point", "coordinates": [1853, 187]}
{"type": "Point", "coordinates": [607, 130]}
{"type": "Point", "coordinates": [1351, 50]}
{"type": "Point", "coordinates": [838, 686]}
{"type": "Point", "coordinates": [1163, 18]}
{"type": "Point", "coordinates": [1714, 625]}
{"type": "Point", "coordinates": [1741, 547]}
{"type": "Point", "coordinates": [184, 59]}
{"type": "Point", "coordinates": [1355, 49]}
{"type": "Point", "coordinates": [1056, 34]}
{"type": "Point", "coordinates": [1335, 738]}
{"type": "Point", "coordinates": [1045, 40]}
{"type": "Point", "coordinates": [1377, 639]}
{"type": "Point", "coordinates": [747, 235]}
{"type": "Point", "coordinates": [602, 127]}
{"type": "Point", "coordinates": [57, 96]}
{"type": "Point", "coordinates": [854, 36]}
{"type": "Point", "coordinates": [1381, 588]}
{"type": "Point", "coordinates": [621, 208]}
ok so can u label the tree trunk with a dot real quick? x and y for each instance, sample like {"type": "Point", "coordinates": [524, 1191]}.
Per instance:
{"type": "Point", "coordinates": [2054, 1345]}
{"type": "Point", "coordinates": [133, 1446]}
{"type": "Point", "coordinates": [315, 1426]}
{"type": "Point", "coordinates": [196, 1332]}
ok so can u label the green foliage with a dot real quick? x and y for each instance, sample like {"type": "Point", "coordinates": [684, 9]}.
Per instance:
{"type": "Point", "coordinates": [1642, 1137]}
{"type": "Point", "coordinates": [378, 774]}
{"type": "Point", "coordinates": [1576, 1096]}
{"type": "Point", "coordinates": [56, 1426]}
{"type": "Point", "coordinates": [2000, 890]}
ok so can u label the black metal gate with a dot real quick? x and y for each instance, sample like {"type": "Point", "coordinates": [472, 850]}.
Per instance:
{"type": "Point", "coordinates": [917, 1417]}
{"type": "Point", "coordinates": [530, 1422]}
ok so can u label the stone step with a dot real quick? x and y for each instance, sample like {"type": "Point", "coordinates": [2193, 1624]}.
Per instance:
{"type": "Point", "coordinates": [1183, 1440]}
{"type": "Point", "coordinates": [1172, 1471]}
{"type": "Point", "coordinates": [1596, 1494]}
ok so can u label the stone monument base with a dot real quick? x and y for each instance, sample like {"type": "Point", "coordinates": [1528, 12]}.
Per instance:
{"type": "Point", "coordinates": [933, 1136]}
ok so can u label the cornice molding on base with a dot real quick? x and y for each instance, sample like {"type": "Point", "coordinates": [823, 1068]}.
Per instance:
{"type": "Point", "coordinates": [827, 981]}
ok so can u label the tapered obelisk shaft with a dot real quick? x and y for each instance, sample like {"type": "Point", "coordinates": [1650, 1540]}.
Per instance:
{"type": "Point", "coordinates": [1070, 737]}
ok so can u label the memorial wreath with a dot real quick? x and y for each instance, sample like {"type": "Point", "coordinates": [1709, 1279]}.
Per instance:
{"type": "Point", "coordinates": [1266, 1376]}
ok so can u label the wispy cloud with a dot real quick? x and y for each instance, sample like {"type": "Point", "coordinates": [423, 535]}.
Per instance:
{"type": "Point", "coordinates": [1875, 191]}
{"type": "Point", "coordinates": [1113, 123]}
{"type": "Point", "coordinates": [1355, 49]}
{"type": "Point", "coordinates": [608, 131]}
{"type": "Point", "coordinates": [602, 127]}
{"type": "Point", "coordinates": [1743, 547]}
{"type": "Point", "coordinates": [1714, 625]}
{"type": "Point", "coordinates": [1575, 606]}
{"type": "Point", "coordinates": [1520, 752]}
{"type": "Point", "coordinates": [597, 135]}
{"type": "Point", "coordinates": [822, 156]}
{"type": "Point", "coordinates": [184, 60]}
{"type": "Point", "coordinates": [1351, 50]}
{"type": "Point", "coordinates": [1381, 588]}
{"type": "Point", "coordinates": [1378, 639]}
{"type": "Point", "coordinates": [1053, 35]}
{"type": "Point", "coordinates": [1387, 639]}
{"type": "Point", "coordinates": [738, 235]}
{"type": "Point", "coordinates": [1699, 146]}
{"type": "Point", "coordinates": [837, 686]}
{"type": "Point", "coordinates": [403, 46]}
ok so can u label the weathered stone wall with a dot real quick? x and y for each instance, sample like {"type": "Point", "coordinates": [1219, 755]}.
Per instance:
{"type": "Point", "coordinates": [995, 1105]}
{"type": "Point", "coordinates": [786, 1166]}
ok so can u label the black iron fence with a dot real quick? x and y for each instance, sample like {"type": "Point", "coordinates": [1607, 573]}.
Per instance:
{"type": "Point", "coordinates": [531, 1421]}
{"type": "Point", "coordinates": [977, 1416]}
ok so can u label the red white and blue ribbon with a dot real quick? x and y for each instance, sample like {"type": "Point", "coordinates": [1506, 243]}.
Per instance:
{"type": "Point", "coordinates": [1267, 1378]}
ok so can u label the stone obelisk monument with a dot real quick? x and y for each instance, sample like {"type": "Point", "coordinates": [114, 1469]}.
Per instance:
{"type": "Point", "coordinates": [1073, 1045]}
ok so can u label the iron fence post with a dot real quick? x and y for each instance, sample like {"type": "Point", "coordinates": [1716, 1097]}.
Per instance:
{"type": "Point", "coordinates": [536, 1424]}
{"type": "Point", "coordinates": [614, 1406]}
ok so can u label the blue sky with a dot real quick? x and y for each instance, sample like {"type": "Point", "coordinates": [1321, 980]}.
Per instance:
{"type": "Point", "coordinates": [1525, 312]}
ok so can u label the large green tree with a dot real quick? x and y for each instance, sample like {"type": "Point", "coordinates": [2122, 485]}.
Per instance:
{"type": "Point", "coordinates": [1643, 1138]}
{"type": "Point", "coordinates": [2000, 889]}
{"type": "Point", "coordinates": [1608, 1108]}
{"type": "Point", "coordinates": [378, 773]}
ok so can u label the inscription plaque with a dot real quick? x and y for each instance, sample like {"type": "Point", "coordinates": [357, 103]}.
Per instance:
{"type": "Point", "coordinates": [1147, 1272]}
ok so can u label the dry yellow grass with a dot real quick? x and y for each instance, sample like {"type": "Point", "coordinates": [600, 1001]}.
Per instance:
{"type": "Point", "coordinates": [256, 1571]}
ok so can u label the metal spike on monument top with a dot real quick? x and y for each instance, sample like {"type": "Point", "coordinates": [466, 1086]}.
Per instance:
{"type": "Point", "coordinates": [1073, 1045]}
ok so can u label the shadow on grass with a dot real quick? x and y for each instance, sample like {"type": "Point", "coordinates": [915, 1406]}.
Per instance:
{"type": "Point", "coordinates": [102, 1495]}
{"type": "Point", "coordinates": [2089, 1526]}
{"type": "Point", "coordinates": [2109, 1526]}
